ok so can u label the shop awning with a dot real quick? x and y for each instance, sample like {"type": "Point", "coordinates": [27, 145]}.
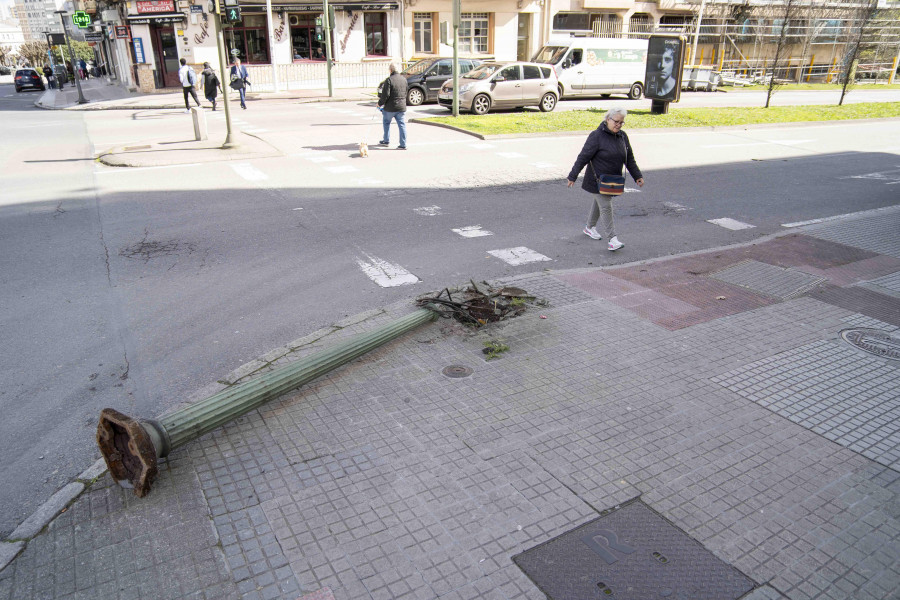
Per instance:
{"type": "Point", "coordinates": [152, 18]}
{"type": "Point", "coordinates": [313, 6]}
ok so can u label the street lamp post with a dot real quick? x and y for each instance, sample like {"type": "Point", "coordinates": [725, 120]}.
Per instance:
{"type": "Point", "coordinates": [62, 17]}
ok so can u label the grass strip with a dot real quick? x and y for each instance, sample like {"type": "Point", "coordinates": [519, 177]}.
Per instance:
{"type": "Point", "coordinates": [529, 121]}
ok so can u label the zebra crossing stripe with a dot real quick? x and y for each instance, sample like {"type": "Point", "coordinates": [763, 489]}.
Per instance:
{"type": "Point", "coordinates": [248, 172]}
{"type": "Point", "coordinates": [384, 273]}
{"type": "Point", "coordinates": [731, 224]}
{"type": "Point", "coordinates": [472, 231]}
{"type": "Point", "coordinates": [518, 256]}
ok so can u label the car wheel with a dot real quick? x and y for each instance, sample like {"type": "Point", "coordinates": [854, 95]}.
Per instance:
{"type": "Point", "coordinates": [18, 89]}
{"type": "Point", "coordinates": [548, 102]}
{"type": "Point", "coordinates": [481, 104]}
{"type": "Point", "coordinates": [635, 92]}
{"type": "Point", "coordinates": [415, 97]}
{"type": "Point", "coordinates": [605, 96]}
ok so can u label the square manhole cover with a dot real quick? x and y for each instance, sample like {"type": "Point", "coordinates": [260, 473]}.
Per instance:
{"type": "Point", "coordinates": [631, 553]}
{"type": "Point", "coordinates": [767, 279]}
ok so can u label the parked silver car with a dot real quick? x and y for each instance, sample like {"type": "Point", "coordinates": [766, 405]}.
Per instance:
{"type": "Point", "coordinates": [503, 85]}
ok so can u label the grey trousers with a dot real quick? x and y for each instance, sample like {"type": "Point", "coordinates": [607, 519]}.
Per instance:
{"type": "Point", "coordinates": [601, 208]}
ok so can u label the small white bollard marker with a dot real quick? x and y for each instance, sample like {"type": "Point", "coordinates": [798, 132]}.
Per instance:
{"type": "Point", "coordinates": [198, 116]}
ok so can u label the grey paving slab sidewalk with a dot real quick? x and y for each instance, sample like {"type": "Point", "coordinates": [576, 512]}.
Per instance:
{"type": "Point", "coordinates": [102, 94]}
{"type": "Point", "coordinates": [762, 435]}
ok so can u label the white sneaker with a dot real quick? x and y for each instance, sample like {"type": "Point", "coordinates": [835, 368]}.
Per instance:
{"type": "Point", "coordinates": [592, 232]}
{"type": "Point", "coordinates": [187, 111]}
{"type": "Point", "coordinates": [614, 243]}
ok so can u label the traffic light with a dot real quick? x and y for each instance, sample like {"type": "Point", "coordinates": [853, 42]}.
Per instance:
{"type": "Point", "coordinates": [232, 13]}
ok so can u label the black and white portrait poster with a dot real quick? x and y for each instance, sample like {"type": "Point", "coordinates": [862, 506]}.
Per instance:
{"type": "Point", "coordinates": [665, 59]}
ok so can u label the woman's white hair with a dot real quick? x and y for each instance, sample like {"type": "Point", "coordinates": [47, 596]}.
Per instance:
{"type": "Point", "coordinates": [616, 110]}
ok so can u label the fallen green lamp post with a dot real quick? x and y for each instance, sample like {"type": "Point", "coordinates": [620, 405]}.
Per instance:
{"type": "Point", "coordinates": [131, 447]}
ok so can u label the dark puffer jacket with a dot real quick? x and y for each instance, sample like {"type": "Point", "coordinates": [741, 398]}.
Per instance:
{"type": "Point", "coordinates": [607, 152]}
{"type": "Point", "coordinates": [393, 93]}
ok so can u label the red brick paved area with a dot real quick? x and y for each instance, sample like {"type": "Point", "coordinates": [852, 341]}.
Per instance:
{"type": "Point", "coordinates": [678, 293]}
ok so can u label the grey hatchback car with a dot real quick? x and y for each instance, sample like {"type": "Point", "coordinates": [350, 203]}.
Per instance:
{"type": "Point", "coordinates": [504, 85]}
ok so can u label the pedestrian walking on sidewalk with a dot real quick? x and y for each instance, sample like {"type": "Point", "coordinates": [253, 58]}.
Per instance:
{"type": "Point", "coordinates": [188, 78]}
{"type": "Point", "coordinates": [605, 152]}
{"type": "Point", "coordinates": [392, 103]}
{"type": "Point", "coordinates": [239, 80]}
{"type": "Point", "coordinates": [48, 73]}
{"type": "Point", "coordinates": [211, 85]}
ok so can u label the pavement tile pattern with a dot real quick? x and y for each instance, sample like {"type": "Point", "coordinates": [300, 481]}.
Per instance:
{"type": "Point", "coordinates": [387, 479]}
{"type": "Point", "coordinates": [770, 280]}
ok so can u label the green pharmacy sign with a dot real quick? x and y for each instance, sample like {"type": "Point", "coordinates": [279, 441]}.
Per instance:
{"type": "Point", "coordinates": [81, 18]}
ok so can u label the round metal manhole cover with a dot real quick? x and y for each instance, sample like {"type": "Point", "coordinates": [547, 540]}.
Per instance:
{"type": "Point", "coordinates": [874, 341]}
{"type": "Point", "coordinates": [457, 371]}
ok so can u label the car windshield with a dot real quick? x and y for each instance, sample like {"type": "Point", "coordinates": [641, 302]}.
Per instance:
{"type": "Point", "coordinates": [418, 68]}
{"type": "Point", "coordinates": [550, 54]}
{"type": "Point", "coordinates": [482, 72]}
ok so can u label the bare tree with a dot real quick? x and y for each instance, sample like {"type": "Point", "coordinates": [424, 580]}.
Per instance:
{"type": "Point", "coordinates": [782, 46]}
{"type": "Point", "coordinates": [35, 53]}
{"type": "Point", "coordinates": [848, 69]}
{"type": "Point", "coordinates": [5, 54]}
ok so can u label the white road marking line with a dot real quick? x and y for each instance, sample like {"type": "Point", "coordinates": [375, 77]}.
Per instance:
{"type": "Point", "coordinates": [384, 273]}
{"type": "Point", "coordinates": [510, 155]}
{"type": "Point", "coordinates": [248, 172]}
{"type": "Point", "coordinates": [342, 169]}
{"type": "Point", "coordinates": [890, 176]}
{"type": "Point", "coordinates": [729, 223]}
{"type": "Point", "coordinates": [320, 159]}
{"type": "Point", "coordinates": [765, 143]}
{"type": "Point", "coordinates": [518, 256]}
{"type": "Point", "coordinates": [297, 208]}
{"type": "Point", "coordinates": [472, 231]}
{"type": "Point", "coordinates": [108, 170]}
{"type": "Point", "coordinates": [629, 190]}
{"type": "Point", "coordinates": [675, 206]}
{"type": "Point", "coordinates": [428, 211]}
{"type": "Point", "coordinates": [862, 213]}
{"type": "Point", "coordinates": [543, 165]}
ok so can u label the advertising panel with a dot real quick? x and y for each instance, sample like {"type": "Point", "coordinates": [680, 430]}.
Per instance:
{"type": "Point", "coordinates": [665, 65]}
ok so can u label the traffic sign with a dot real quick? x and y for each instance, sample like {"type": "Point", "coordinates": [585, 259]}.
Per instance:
{"type": "Point", "coordinates": [81, 18]}
{"type": "Point", "coordinates": [232, 13]}
{"type": "Point", "coordinates": [93, 37]}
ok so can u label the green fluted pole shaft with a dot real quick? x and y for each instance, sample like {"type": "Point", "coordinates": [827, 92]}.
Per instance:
{"type": "Point", "coordinates": [181, 426]}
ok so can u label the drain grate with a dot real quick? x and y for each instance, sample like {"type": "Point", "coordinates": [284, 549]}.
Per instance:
{"type": "Point", "coordinates": [631, 553]}
{"type": "Point", "coordinates": [457, 371]}
{"type": "Point", "coordinates": [768, 279]}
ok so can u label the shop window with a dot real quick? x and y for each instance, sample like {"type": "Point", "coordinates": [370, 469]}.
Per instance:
{"type": "Point", "coordinates": [572, 21]}
{"type": "Point", "coordinates": [423, 31]}
{"type": "Point", "coordinates": [473, 33]}
{"type": "Point", "coordinates": [304, 43]}
{"type": "Point", "coordinates": [375, 25]}
{"type": "Point", "coordinates": [250, 38]}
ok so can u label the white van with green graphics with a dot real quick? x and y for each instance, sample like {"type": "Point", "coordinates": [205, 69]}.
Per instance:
{"type": "Point", "coordinates": [596, 66]}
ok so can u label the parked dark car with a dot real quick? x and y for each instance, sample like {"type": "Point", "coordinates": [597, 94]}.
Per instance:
{"type": "Point", "coordinates": [5, 70]}
{"type": "Point", "coordinates": [425, 78]}
{"type": "Point", "coordinates": [28, 78]}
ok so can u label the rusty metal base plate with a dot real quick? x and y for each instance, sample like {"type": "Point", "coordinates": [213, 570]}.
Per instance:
{"type": "Point", "coordinates": [631, 553]}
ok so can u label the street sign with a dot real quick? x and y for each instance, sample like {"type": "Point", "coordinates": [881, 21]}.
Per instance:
{"type": "Point", "coordinates": [81, 18]}
{"type": "Point", "coordinates": [122, 32]}
{"type": "Point", "coordinates": [139, 50]}
{"type": "Point", "coordinates": [57, 39]}
{"type": "Point", "coordinates": [93, 37]}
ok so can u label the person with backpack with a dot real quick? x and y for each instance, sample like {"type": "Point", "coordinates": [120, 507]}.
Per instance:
{"type": "Point", "coordinates": [211, 85]}
{"type": "Point", "coordinates": [188, 79]}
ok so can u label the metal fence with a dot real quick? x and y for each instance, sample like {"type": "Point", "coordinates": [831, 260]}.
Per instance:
{"type": "Point", "coordinates": [314, 76]}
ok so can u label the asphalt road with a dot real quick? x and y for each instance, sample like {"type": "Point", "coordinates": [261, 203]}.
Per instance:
{"type": "Point", "coordinates": [134, 288]}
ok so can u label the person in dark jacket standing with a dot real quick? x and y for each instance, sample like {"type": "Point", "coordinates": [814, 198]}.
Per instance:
{"type": "Point", "coordinates": [392, 103]}
{"type": "Point", "coordinates": [211, 85]}
{"type": "Point", "coordinates": [239, 80]}
{"type": "Point", "coordinates": [606, 151]}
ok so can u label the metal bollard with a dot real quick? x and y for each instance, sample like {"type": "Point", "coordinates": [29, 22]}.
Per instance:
{"type": "Point", "coordinates": [131, 447]}
{"type": "Point", "coordinates": [198, 116]}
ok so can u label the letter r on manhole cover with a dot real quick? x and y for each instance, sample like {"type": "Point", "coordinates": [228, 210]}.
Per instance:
{"type": "Point", "coordinates": [631, 553]}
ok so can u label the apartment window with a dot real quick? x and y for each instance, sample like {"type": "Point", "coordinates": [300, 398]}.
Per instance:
{"type": "Point", "coordinates": [473, 33]}
{"type": "Point", "coordinates": [572, 21]}
{"type": "Point", "coordinates": [375, 25]}
{"type": "Point", "coordinates": [423, 31]}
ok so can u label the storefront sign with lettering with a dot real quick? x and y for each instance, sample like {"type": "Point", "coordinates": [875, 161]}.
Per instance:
{"type": "Point", "coordinates": [155, 6]}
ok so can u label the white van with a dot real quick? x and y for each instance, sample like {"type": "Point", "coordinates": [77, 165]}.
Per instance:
{"type": "Point", "coordinates": [596, 66]}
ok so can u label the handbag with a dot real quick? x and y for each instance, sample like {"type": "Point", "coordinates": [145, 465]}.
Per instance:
{"type": "Point", "coordinates": [611, 185]}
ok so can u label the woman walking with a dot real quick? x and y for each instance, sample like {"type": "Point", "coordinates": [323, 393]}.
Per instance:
{"type": "Point", "coordinates": [211, 85]}
{"type": "Point", "coordinates": [605, 152]}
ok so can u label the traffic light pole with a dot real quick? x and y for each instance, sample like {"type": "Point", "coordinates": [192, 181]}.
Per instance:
{"type": "Point", "coordinates": [327, 18]}
{"type": "Point", "coordinates": [223, 64]}
{"type": "Point", "coordinates": [62, 17]}
{"type": "Point", "coordinates": [456, 18]}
